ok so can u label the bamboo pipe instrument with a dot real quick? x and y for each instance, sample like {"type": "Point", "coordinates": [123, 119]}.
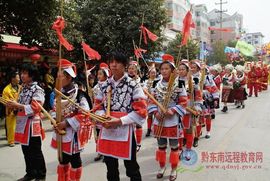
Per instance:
{"type": "Point", "coordinates": [108, 111]}
{"type": "Point", "coordinates": [94, 116]}
{"type": "Point", "coordinates": [62, 132]}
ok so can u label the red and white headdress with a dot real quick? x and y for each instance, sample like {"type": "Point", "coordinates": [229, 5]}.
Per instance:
{"type": "Point", "coordinates": [197, 62]}
{"type": "Point", "coordinates": [105, 67]}
{"type": "Point", "coordinates": [168, 58]}
{"type": "Point", "coordinates": [68, 67]}
{"type": "Point", "coordinates": [185, 62]}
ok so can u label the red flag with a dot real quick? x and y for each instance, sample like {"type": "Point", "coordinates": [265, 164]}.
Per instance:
{"type": "Point", "coordinates": [138, 52]}
{"type": "Point", "coordinates": [58, 26]}
{"type": "Point", "coordinates": [92, 54]}
{"type": "Point", "coordinates": [187, 24]}
{"type": "Point", "coordinates": [220, 29]}
{"type": "Point", "coordinates": [148, 33]}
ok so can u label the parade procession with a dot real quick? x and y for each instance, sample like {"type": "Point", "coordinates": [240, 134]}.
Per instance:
{"type": "Point", "coordinates": [131, 90]}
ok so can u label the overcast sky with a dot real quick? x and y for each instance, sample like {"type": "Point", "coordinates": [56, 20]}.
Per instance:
{"type": "Point", "coordinates": [256, 13]}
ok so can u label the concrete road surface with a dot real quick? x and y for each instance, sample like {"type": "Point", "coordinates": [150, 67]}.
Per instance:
{"type": "Point", "coordinates": [238, 150]}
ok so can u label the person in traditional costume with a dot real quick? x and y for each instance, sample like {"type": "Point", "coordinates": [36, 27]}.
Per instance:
{"type": "Point", "coordinates": [265, 74]}
{"type": "Point", "coordinates": [189, 119]}
{"type": "Point", "coordinates": [195, 68]}
{"type": "Point", "coordinates": [252, 81]}
{"type": "Point", "coordinates": [240, 94]}
{"type": "Point", "coordinates": [167, 126]}
{"type": "Point", "coordinates": [149, 84]}
{"type": "Point", "coordinates": [103, 75]}
{"type": "Point", "coordinates": [211, 101]}
{"type": "Point", "coordinates": [11, 92]}
{"type": "Point", "coordinates": [227, 87]}
{"type": "Point", "coordinates": [133, 72]}
{"type": "Point", "coordinates": [29, 132]}
{"type": "Point", "coordinates": [215, 71]}
{"type": "Point", "coordinates": [76, 125]}
{"type": "Point", "coordinates": [126, 104]}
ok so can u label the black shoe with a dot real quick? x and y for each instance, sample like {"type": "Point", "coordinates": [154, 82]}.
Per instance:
{"type": "Point", "coordinates": [213, 116]}
{"type": "Point", "coordinates": [225, 109]}
{"type": "Point", "coordinates": [207, 136]}
{"type": "Point", "coordinates": [237, 107]}
{"type": "Point", "coordinates": [195, 142]}
{"type": "Point", "coordinates": [148, 133]}
{"type": "Point", "coordinates": [243, 106]}
{"type": "Point", "coordinates": [249, 95]}
{"type": "Point", "coordinates": [138, 147]}
{"type": "Point", "coordinates": [26, 178]}
{"type": "Point", "coordinates": [98, 157]}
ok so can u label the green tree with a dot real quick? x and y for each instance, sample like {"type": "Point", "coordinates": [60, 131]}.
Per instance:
{"type": "Point", "coordinates": [231, 43]}
{"type": "Point", "coordinates": [114, 24]}
{"type": "Point", "coordinates": [192, 47]}
{"type": "Point", "coordinates": [32, 20]}
{"type": "Point", "coordinates": [218, 55]}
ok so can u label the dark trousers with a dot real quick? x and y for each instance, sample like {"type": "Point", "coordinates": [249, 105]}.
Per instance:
{"type": "Point", "coordinates": [132, 167]}
{"type": "Point", "coordinates": [74, 160]}
{"type": "Point", "coordinates": [34, 160]}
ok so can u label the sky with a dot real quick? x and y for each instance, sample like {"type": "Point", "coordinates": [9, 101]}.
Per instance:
{"type": "Point", "coordinates": [256, 14]}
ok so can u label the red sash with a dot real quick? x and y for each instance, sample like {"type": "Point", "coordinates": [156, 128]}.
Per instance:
{"type": "Point", "coordinates": [168, 132]}
{"type": "Point", "coordinates": [116, 149]}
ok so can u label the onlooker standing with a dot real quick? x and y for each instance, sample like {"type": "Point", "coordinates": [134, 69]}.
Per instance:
{"type": "Point", "coordinates": [11, 92]}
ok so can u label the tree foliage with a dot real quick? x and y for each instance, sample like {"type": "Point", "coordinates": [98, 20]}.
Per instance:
{"type": "Point", "coordinates": [231, 43]}
{"type": "Point", "coordinates": [32, 20]}
{"type": "Point", "coordinates": [192, 47]}
{"type": "Point", "coordinates": [218, 55]}
{"type": "Point", "coordinates": [113, 24]}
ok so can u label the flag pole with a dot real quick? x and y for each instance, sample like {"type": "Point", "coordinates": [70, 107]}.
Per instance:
{"type": "Point", "coordinates": [58, 97]}
{"type": "Point", "coordinates": [140, 42]}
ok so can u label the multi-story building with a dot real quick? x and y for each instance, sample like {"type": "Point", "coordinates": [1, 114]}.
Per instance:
{"type": "Point", "coordinates": [255, 39]}
{"type": "Point", "coordinates": [176, 11]}
{"type": "Point", "coordinates": [233, 22]}
{"type": "Point", "coordinates": [202, 23]}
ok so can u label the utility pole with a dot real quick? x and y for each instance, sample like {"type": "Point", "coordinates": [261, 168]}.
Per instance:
{"type": "Point", "coordinates": [221, 10]}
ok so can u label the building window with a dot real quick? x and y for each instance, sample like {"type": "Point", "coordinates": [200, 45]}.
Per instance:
{"type": "Point", "coordinates": [212, 40]}
{"type": "Point", "coordinates": [198, 23]}
{"type": "Point", "coordinates": [256, 42]}
{"type": "Point", "coordinates": [197, 13]}
{"type": "Point", "coordinates": [256, 36]}
{"type": "Point", "coordinates": [212, 23]}
{"type": "Point", "coordinates": [212, 32]}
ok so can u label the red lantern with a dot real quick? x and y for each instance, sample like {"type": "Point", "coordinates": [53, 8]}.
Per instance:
{"type": "Point", "coordinates": [35, 57]}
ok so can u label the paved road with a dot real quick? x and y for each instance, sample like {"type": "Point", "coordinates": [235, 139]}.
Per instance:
{"type": "Point", "coordinates": [239, 149]}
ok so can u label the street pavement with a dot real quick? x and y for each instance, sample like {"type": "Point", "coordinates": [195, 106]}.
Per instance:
{"type": "Point", "coordinates": [238, 150]}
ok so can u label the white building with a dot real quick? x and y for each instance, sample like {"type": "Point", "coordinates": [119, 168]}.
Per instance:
{"type": "Point", "coordinates": [202, 23]}
{"type": "Point", "coordinates": [255, 39]}
{"type": "Point", "coordinates": [176, 11]}
{"type": "Point", "coordinates": [233, 22]}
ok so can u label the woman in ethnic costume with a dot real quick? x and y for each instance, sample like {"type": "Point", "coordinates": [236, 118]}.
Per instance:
{"type": "Point", "coordinates": [171, 128]}
{"type": "Point", "coordinates": [227, 89]}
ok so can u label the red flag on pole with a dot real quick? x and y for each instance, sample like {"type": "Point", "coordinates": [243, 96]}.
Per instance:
{"type": "Point", "coordinates": [138, 52]}
{"type": "Point", "coordinates": [187, 24]}
{"type": "Point", "coordinates": [149, 34]}
{"type": "Point", "coordinates": [92, 54]}
{"type": "Point", "coordinates": [58, 26]}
